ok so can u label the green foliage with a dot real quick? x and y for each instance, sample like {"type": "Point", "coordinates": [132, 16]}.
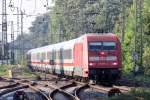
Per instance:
{"type": "Point", "coordinates": [27, 73]}
{"type": "Point", "coordinates": [77, 17]}
{"type": "Point", "coordinates": [146, 14]}
{"type": "Point", "coordinates": [37, 37]}
{"type": "Point", "coordinates": [146, 37]}
{"type": "Point", "coordinates": [143, 79]}
{"type": "Point", "coordinates": [134, 94]}
{"type": "Point", "coordinates": [4, 70]}
{"type": "Point", "coordinates": [128, 44]}
{"type": "Point", "coordinates": [146, 62]}
{"type": "Point", "coordinates": [39, 31]}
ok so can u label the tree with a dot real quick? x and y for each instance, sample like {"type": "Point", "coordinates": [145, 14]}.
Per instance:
{"type": "Point", "coordinates": [77, 17]}
{"type": "Point", "coordinates": [39, 31]}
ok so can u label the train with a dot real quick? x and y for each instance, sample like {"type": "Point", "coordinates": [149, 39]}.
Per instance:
{"type": "Point", "coordinates": [92, 56]}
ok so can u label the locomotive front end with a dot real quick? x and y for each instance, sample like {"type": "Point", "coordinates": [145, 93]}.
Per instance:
{"type": "Point", "coordinates": [104, 58]}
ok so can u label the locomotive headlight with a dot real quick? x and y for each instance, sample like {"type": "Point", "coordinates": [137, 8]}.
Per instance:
{"type": "Point", "coordinates": [115, 63]}
{"type": "Point", "coordinates": [92, 64]}
{"type": "Point", "coordinates": [93, 58]}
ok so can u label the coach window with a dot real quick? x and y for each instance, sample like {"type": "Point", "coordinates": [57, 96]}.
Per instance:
{"type": "Point", "coordinates": [70, 51]}
{"type": "Point", "coordinates": [53, 55]}
{"type": "Point", "coordinates": [38, 56]}
{"type": "Point", "coordinates": [49, 55]}
{"type": "Point", "coordinates": [57, 54]}
{"type": "Point", "coordinates": [68, 54]}
{"type": "Point", "coordinates": [34, 57]}
{"type": "Point", "coordinates": [43, 56]}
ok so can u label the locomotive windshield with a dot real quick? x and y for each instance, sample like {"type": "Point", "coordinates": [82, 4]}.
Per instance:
{"type": "Point", "coordinates": [99, 46]}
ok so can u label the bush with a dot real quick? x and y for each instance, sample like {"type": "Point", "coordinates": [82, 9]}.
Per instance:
{"type": "Point", "coordinates": [134, 94]}
{"type": "Point", "coordinates": [146, 60]}
{"type": "Point", "coordinates": [4, 70]}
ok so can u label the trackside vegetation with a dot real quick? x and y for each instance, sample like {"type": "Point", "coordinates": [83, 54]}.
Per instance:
{"type": "Point", "coordinates": [4, 70]}
{"type": "Point", "coordinates": [135, 94]}
{"type": "Point", "coordinates": [17, 70]}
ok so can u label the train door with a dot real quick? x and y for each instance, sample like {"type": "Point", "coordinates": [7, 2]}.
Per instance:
{"type": "Point", "coordinates": [53, 61]}
{"type": "Point", "coordinates": [78, 59]}
{"type": "Point", "coordinates": [61, 62]}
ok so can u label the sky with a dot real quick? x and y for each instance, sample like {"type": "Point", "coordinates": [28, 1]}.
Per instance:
{"type": "Point", "coordinates": [31, 8]}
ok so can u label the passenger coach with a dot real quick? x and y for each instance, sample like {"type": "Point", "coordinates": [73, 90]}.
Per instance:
{"type": "Point", "coordinates": [91, 56]}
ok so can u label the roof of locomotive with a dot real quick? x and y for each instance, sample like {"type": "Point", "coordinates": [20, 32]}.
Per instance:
{"type": "Point", "coordinates": [99, 34]}
{"type": "Point", "coordinates": [68, 44]}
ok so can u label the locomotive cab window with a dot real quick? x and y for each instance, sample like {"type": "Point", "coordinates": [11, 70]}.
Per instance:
{"type": "Point", "coordinates": [95, 46]}
{"type": "Point", "coordinates": [109, 45]}
{"type": "Point", "coordinates": [99, 46]}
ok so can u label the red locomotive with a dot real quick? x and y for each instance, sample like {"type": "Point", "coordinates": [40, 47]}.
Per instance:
{"type": "Point", "coordinates": [91, 56]}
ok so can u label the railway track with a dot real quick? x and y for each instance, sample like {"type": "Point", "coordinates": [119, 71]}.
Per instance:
{"type": "Point", "coordinates": [59, 93]}
{"type": "Point", "coordinates": [88, 91]}
{"type": "Point", "coordinates": [61, 89]}
{"type": "Point", "coordinates": [100, 88]}
{"type": "Point", "coordinates": [33, 87]}
{"type": "Point", "coordinates": [22, 84]}
{"type": "Point", "coordinates": [55, 94]}
{"type": "Point", "coordinates": [9, 86]}
{"type": "Point", "coordinates": [96, 89]}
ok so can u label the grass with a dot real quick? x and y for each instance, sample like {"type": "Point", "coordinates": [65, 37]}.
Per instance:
{"type": "Point", "coordinates": [4, 70]}
{"type": "Point", "coordinates": [140, 77]}
{"type": "Point", "coordinates": [135, 94]}
{"type": "Point", "coordinates": [27, 73]}
{"type": "Point", "coordinates": [143, 78]}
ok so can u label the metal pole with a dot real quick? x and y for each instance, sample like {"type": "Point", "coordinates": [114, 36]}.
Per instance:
{"type": "Point", "coordinates": [12, 40]}
{"type": "Point", "coordinates": [122, 20]}
{"type": "Point", "coordinates": [21, 40]}
{"type": "Point", "coordinates": [51, 34]}
{"type": "Point", "coordinates": [4, 32]}
{"type": "Point", "coordinates": [18, 32]}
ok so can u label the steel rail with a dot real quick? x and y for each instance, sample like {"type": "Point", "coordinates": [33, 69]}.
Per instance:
{"type": "Point", "coordinates": [61, 90]}
{"type": "Point", "coordinates": [29, 84]}
{"type": "Point", "coordinates": [123, 89]}
{"type": "Point", "coordinates": [12, 90]}
{"type": "Point", "coordinates": [77, 91]}
{"type": "Point", "coordinates": [9, 86]}
{"type": "Point", "coordinates": [34, 88]}
{"type": "Point", "coordinates": [72, 97]}
{"type": "Point", "coordinates": [110, 91]}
